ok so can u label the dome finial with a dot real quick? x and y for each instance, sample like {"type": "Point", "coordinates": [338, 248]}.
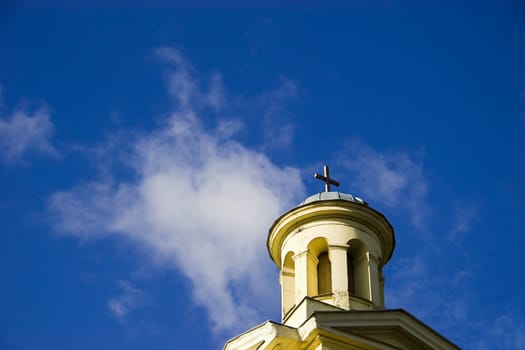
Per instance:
{"type": "Point", "coordinates": [326, 179]}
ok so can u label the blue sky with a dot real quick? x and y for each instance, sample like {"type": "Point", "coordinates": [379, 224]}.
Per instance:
{"type": "Point", "coordinates": [146, 150]}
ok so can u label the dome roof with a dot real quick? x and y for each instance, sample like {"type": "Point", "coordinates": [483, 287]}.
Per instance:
{"type": "Point", "coordinates": [327, 196]}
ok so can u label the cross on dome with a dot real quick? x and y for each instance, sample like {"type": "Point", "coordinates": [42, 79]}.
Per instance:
{"type": "Point", "coordinates": [326, 179]}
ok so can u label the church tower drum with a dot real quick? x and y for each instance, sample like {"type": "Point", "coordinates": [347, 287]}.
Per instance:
{"type": "Point", "coordinates": [332, 248]}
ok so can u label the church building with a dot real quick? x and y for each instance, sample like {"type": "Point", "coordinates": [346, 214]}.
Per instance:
{"type": "Point", "coordinates": [330, 251]}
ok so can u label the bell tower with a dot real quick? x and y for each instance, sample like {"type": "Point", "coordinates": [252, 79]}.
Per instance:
{"type": "Point", "coordinates": [330, 251]}
{"type": "Point", "coordinates": [331, 248]}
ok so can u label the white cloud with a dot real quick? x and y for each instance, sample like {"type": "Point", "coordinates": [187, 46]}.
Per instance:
{"type": "Point", "coordinates": [127, 301]}
{"type": "Point", "coordinates": [183, 86]}
{"type": "Point", "coordinates": [391, 179]}
{"type": "Point", "coordinates": [226, 128]}
{"type": "Point", "coordinates": [23, 132]}
{"type": "Point", "coordinates": [200, 202]}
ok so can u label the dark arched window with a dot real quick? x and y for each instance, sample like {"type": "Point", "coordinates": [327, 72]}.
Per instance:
{"type": "Point", "coordinates": [324, 274]}
{"type": "Point", "coordinates": [351, 275]}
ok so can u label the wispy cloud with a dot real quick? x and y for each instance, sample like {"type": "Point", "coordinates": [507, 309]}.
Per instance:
{"type": "Point", "coordinates": [199, 201]}
{"type": "Point", "coordinates": [128, 300]}
{"type": "Point", "coordinates": [278, 131]}
{"type": "Point", "coordinates": [391, 179]}
{"type": "Point", "coordinates": [216, 95]}
{"type": "Point", "coordinates": [508, 331]}
{"type": "Point", "coordinates": [421, 287]}
{"type": "Point", "coordinates": [444, 301]}
{"type": "Point", "coordinates": [464, 215]}
{"type": "Point", "coordinates": [183, 85]}
{"type": "Point", "coordinates": [23, 132]}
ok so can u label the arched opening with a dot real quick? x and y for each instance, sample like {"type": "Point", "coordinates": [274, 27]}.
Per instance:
{"type": "Point", "coordinates": [324, 274]}
{"type": "Point", "coordinates": [358, 271]}
{"type": "Point", "coordinates": [320, 273]}
{"type": "Point", "coordinates": [350, 269]}
{"type": "Point", "coordinates": [288, 283]}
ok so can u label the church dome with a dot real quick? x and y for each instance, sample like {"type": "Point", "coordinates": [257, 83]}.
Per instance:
{"type": "Point", "coordinates": [327, 196]}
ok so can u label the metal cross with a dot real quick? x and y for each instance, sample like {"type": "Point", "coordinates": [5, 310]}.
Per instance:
{"type": "Point", "coordinates": [326, 179]}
